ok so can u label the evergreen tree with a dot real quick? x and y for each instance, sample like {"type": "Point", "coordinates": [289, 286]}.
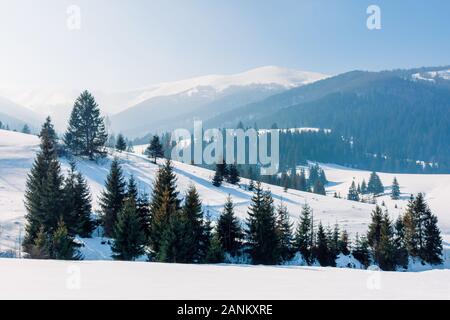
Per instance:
{"type": "Point", "coordinates": [285, 234]}
{"type": "Point", "coordinates": [364, 187]}
{"type": "Point", "coordinates": [121, 144]}
{"type": "Point", "coordinates": [374, 233]}
{"type": "Point", "coordinates": [155, 149]}
{"type": "Point", "coordinates": [215, 252]}
{"type": "Point", "coordinates": [319, 188]}
{"type": "Point", "coordinates": [63, 245]}
{"type": "Point", "coordinates": [361, 251]}
{"type": "Point", "coordinates": [143, 210]}
{"type": "Point", "coordinates": [129, 239]}
{"type": "Point", "coordinates": [395, 192]}
{"type": "Point", "coordinates": [334, 241]}
{"type": "Point", "coordinates": [233, 175]}
{"type": "Point", "coordinates": [164, 202]}
{"type": "Point", "coordinates": [220, 174]}
{"type": "Point", "coordinates": [322, 250]}
{"type": "Point", "coordinates": [413, 221]}
{"type": "Point", "coordinates": [77, 203]}
{"type": "Point", "coordinates": [174, 238]}
{"type": "Point", "coordinates": [40, 249]}
{"type": "Point", "coordinates": [353, 193]}
{"type": "Point", "coordinates": [229, 230]}
{"type": "Point", "coordinates": [344, 243]}
{"type": "Point", "coordinates": [304, 235]}
{"type": "Point", "coordinates": [251, 185]}
{"type": "Point", "coordinates": [261, 229]}
{"type": "Point", "coordinates": [386, 254]}
{"type": "Point", "coordinates": [43, 194]}
{"type": "Point", "coordinates": [399, 243]}
{"type": "Point", "coordinates": [112, 198]}
{"type": "Point", "coordinates": [49, 130]}
{"type": "Point", "coordinates": [192, 210]}
{"type": "Point", "coordinates": [86, 134]}
{"type": "Point", "coordinates": [26, 129]}
{"type": "Point", "coordinates": [132, 189]}
{"type": "Point", "coordinates": [375, 185]}
{"type": "Point", "coordinates": [432, 242]}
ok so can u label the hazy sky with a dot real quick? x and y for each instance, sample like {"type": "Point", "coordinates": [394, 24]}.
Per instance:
{"type": "Point", "coordinates": [126, 44]}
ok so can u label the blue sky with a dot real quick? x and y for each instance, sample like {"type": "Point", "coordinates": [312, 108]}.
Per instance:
{"type": "Point", "coordinates": [127, 44]}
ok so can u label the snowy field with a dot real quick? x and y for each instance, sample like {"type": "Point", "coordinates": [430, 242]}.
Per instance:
{"type": "Point", "coordinates": [106, 279]}
{"type": "Point", "coordinates": [32, 279]}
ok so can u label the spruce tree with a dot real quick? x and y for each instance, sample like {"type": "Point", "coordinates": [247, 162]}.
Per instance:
{"type": "Point", "coordinates": [385, 254]}
{"type": "Point", "coordinates": [40, 249]}
{"type": "Point", "coordinates": [229, 230]}
{"type": "Point", "coordinates": [129, 238]}
{"type": "Point", "coordinates": [26, 129]}
{"type": "Point", "coordinates": [322, 250]}
{"type": "Point", "coordinates": [155, 149]}
{"type": "Point", "coordinates": [86, 133]}
{"type": "Point", "coordinates": [302, 181]}
{"type": "Point", "coordinates": [413, 221]}
{"type": "Point", "coordinates": [63, 245]}
{"type": "Point", "coordinates": [304, 235]}
{"type": "Point", "coordinates": [363, 187]}
{"type": "Point", "coordinates": [143, 210]}
{"type": "Point", "coordinates": [174, 237]}
{"type": "Point", "coordinates": [220, 175]}
{"type": "Point", "coordinates": [77, 203]}
{"type": "Point", "coordinates": [112, 198]}
{"type": "Point", "coordinates": [344, 243]}
{"type": "Point", "coordinates": [193, 212]}
{"type": "Point", "coordinates": [216, 253]}
{"type": "Point", "coordinates": [233, 175]}
{"type": "Point", "coordinates": [49, 130]}
{"type": "Point", "coordinates": [375, 185]}
{"type": "Point", "coordinates": [285, 234]}
{"type": "Point", "coordinates": [121, 144]}
{"type": "Point", "coordinates": [43, 194]}
{"type": "Point", "coordinates": [319, 188]}
{"type": "Point", "coordinates": [262, 238]}
{"type": "Point", "coordinates": [432, 243]}
{"type": "Point", "coordinates": [374, 232]}
{"type": "Point", "coordinates": [399, 243]}
{"type": "Point", "coordinates": [353, 193]}
{"type": "Point", "coordinates": [132, 189]}
{"type": "Point", "coordinates": [361, 251]}
{"type": "Point", "coordinates": [160, 207]}
{"type": "Point", "coordinates": [395, 192]}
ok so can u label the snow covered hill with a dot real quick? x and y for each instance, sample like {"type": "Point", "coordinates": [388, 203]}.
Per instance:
{"type": "Point", "coordinates": [34, 279]}
{"type": "Point", "coordinates": [17, 152]}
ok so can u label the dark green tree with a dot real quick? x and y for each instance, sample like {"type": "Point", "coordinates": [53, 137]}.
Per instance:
{"type": "Point", "coordinates": [395, 192]}
{"type": "Point", "coordinates": [112, 198]}
{"type": "Point", "coordinates": [129, 238]}
{"type": "Point", "coordinates": [262, 238]}
{"type": "Point", "coordinates": [305, 234]}
{"type": "Point", "coordinates": [86, 134]}
{"type": "Point", "coordinates": [285, 233]}
{"type": "Point", "coordinates": [233, 174]}
{"type": "Point", "coordinates": [229, 229]}
{"type": "Point", "coordinates": [155, 149]}
{"type": "Point", "coordinates": [121, 144]}
{"type": "Point", "coordinates": [375, 185]}
{"type": "Point", "coordinates": [63, 245]}
{"type": "Point", "coordinates": [353, 193]}
{"type": "Point", "coordinates": [319, 188]}
{"type": "Point", "coordinates": [432, 243]}
{"type": "Point", "coordinates": [361, 250]}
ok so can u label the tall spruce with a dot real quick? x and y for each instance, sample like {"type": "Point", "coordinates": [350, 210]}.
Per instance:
{"type": "Point", "coordinates": [233, 174]}
{"type": "Point", "coordinates": [395, 190]}
{"type": "Point", "coordinates": [399, 243]}
{"type": "Point", "coordinates": [285, 233]}
{"type": "Point", "coordinates": [386, 254]}
{"type": "Point", "coordinates": [112, 198]}
{"type": "Point", "coordinates": [193, 212]}
{"type": "Point", "coordinates": [375, 185]}
{"type": "Point", "coordinates": [121, 144]}
{"type": "Point", "coordinates": [322, 249]}
{"type": "Point", "coordinates": [432, 243]}
{"type": "Point", "coordinates": [304, 235]}
{"type": "Point", "coordinates": [77, 203]}
{"type": "Point", "coordinates": [361, 250]}
{"type": "Point", "coordinates": [161, 208]}
{"type": "Point", "coordinates": [344, 243]}
{"type": "Point", "coordinates": [129, 238]}
{"type": "Point", "coordinates": [374, 232]}
{"type": "Point", "coordinates": [353, 193]}
{"type": "Point", "coordinates": [229, 230]}
{"type": "Point", "coordinates": [262, 238]}
{"type": "Point", "coordinates": [43, 194]}
{"type": "Point", "coordinates": [319, 188]}
{"type": "Point", "coordinates": [86, 134]}
{"type": "Point", "coordinates": [155, 149]}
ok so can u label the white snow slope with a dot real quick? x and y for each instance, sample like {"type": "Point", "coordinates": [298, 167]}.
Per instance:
{"type": "Point", "coordinates": [17, 152]}
{"type": "Point", "coordinates": [33, 279]}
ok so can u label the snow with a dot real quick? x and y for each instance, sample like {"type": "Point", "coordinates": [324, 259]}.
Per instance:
{"type": "Point", "coordinates": [432, 75]}
{"type": "Point", "coordinates": [17, 152]}
{"type": "Point", "coordinates": [34, 279]}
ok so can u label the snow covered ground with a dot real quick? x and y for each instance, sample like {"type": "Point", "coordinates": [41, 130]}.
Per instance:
{"type": "Point", "coordinates": [17, 153]}
{"type": "Point", "coordinates": [32, 279]}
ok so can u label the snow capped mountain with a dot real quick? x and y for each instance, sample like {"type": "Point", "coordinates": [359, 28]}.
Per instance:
{"type": "Point", "coordinates": [432, 76]}
{"type": "Point", "coordinates": [269, 75]}
{"type": "Point", "coordinates": [16, 115]}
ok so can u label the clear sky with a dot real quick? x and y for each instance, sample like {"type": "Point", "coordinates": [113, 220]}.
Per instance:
{"type": "Point", "coordinates": [124, 44]}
